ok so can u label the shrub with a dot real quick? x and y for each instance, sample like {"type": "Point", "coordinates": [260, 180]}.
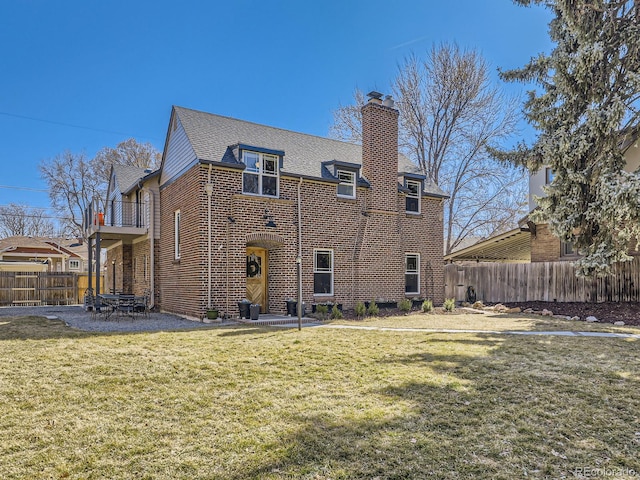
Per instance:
{"type": "Point", "coordinates": [335, 312]}
{"type": "Point", "coordinates": [360, 310]}
{"type": "Point", "coordinates": [405, 305]}
{"type": "Point", "coordinates": [322, 311]}
{"type": "Point", "coordinates": [449, 304]}
{"type": "Point", "coordinates": [373, 309]}
{"type": "Point", "coordinates": [427, 306]}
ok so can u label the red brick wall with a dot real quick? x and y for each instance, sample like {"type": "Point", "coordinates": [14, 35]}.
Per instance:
{"type": "Point", "coordinates": [368, 245]}
{"type": "Point", "coordinates": [380, 154]}
{"type": "Point", "coordinates": [141, 254]}
{"type": "Point", "coordinates": [545, 247]}
{"type": "Point", "coordinates": [181, 287]}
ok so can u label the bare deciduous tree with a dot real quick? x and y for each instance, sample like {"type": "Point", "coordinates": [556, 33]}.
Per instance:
{"type": "Point", "coordinates": [449, 114]}
{"type": "Point", "coordinates": [74, 180]}
{"type": "Point", "coordinates": [16, 219]}
{"type": "Point", "coordinates": [129, 152]}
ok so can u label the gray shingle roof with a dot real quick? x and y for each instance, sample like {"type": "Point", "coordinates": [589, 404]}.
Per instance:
{"type": "Point", "coordinates": [127, 176]}
{"type": "Point", "coordinates": [211, 135]}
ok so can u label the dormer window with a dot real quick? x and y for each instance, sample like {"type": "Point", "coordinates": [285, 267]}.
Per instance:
{"type": "Point", "coordinates": [347, 185]}
{"type": "Point", "coordinates": [261, 174]}
{"type": "Point", "coordinates": [347, 174]}
{"type": "Point", "coordinates": [414, 187]}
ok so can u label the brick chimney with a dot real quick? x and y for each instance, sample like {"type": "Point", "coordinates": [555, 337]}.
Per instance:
{"type": "Point", "coordinates": [380, 151]}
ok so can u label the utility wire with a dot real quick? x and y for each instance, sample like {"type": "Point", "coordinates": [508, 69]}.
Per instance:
{"type": "Point", "coordinates": [24, 188]}
{"type": "Point", "coordinates": [8, 114]}
{"type": "Point", "coordinates": [51, 217]}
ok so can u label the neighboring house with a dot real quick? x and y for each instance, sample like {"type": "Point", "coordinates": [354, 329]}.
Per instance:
{"type": "Point", "coordinates": [56, 254]}
{"type": "Point", "coordinates": [128, 230]}
{"type": "Point", "coordinates": [531, 242]}
{"type": "Point", "coordinates": [546, 247]}
{"type": "Point", "coordinates": [242, 205]}
{"type": "Point", "coordinates": [513, 246]}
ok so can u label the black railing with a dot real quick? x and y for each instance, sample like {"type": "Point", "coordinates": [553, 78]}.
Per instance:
{"type": "Point", "coordinates": [119, 214]}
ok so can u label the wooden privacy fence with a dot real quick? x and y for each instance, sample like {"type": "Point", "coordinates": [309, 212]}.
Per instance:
{"type": "Point", "coordinates": [543, 281]}
{"type": "Point", "coordinates": [38, 288]}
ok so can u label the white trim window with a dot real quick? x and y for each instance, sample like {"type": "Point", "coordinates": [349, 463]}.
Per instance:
{"type": "Point", "coordinates": [176, 234]}
{"type": "Point", "coordinates": [412, 273]}
{"type": "Point", "coordinates": [261, 174]}
{"type": "Point", "coordinates": [322, 272]}
{"type": "Point", "coordinates": [413, 196]}
{"type": "Point", "coordinates": [347, 185]}
{"type": "Point", "coordinates": [548, 175]}
{"type": "Point", "coordinates": [74, 264]}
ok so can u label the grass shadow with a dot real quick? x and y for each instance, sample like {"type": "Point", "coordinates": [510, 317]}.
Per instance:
{"type": "Point", "coordinates": [515, 411]}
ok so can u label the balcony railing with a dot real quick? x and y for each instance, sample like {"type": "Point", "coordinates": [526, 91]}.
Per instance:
{"type": "Point", "coordinates": [118, 214]}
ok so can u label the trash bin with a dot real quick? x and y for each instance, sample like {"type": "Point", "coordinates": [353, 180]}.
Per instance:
{"type": "Point", "coordinates": [255, 311]}
{"type": "Point", "coordinates": [292, 308]}
{"type": "Point", "coordinates": [243, 307]}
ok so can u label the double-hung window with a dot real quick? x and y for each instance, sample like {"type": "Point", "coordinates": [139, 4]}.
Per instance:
{"type": "Point", "coordinates": [412, 273]}
{"type": "Point", "coordinates": [261, 174]}
{"type": "Point", "coordinates": [413, 196]}
{"type": "Point", "coordinates": [176, 234]}
{"type": "Point", "coordinates": [322, 272]}
{"type": "Point", "coordinates": [74, 264]}
{"type": "Point", "coordinates": [347, 185]}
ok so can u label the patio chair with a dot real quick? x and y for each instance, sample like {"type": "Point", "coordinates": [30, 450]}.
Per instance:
{"type": "Point", "coordinates": [141, 305]}
{"type": "Point", "coordinates": [126, 304]}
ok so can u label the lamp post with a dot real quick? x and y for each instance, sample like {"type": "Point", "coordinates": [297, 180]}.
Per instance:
{"type": "Point", "coordinates": [113, 277]}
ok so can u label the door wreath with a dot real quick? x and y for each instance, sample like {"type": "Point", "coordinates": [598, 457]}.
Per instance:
{"type": "Point", "coordinates": [254, 269]}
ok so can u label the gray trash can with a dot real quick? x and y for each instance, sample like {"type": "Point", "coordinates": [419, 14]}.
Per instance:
{"type": "Point", "coordinates": [255, 311]}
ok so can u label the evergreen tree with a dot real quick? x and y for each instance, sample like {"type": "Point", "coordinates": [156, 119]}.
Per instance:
{"type": "Point", "coordinates": [587, 115]}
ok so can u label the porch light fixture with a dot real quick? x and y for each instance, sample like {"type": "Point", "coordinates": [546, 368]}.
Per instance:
{"type": "Point", "coordinates": [267, 216]}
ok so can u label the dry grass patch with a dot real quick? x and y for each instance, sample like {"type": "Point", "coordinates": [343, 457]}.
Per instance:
{"type": "Point", "coordinates": [235, 403]}
{"type": "Point", "coordinates": [487, 321]}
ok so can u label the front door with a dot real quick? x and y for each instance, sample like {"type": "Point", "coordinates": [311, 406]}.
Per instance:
{"type": "Point", "coordinates": [257, 277]}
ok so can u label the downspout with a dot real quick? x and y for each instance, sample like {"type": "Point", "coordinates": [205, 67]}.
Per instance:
{"type": "Point", "coordinates": [209, 189]}
{"type": "Point", "coordinates": [152, 257]}
{"type": "Point", "coordinates": [299, 259]}
{"type": "Point", "coordinates": [226, 273]}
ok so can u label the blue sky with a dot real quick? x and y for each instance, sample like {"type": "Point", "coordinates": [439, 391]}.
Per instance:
{"type": "Point", "coordinates": [79, 75]}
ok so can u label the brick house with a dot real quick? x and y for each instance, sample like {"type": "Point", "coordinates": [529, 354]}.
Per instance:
{"type": "Point", "coordinates": [240, 204]}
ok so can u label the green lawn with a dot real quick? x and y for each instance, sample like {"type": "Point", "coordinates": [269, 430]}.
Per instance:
{"type": "Point", "coordinates": [267, 403]}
